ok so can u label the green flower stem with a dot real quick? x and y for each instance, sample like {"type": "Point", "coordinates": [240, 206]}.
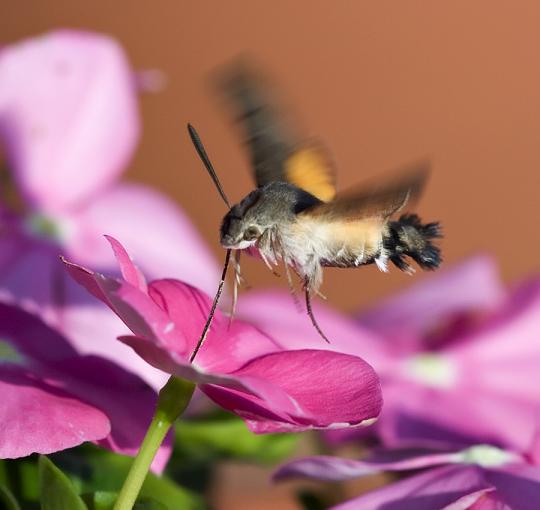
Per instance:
{"type": "Point", "coordinates": [173, 399]}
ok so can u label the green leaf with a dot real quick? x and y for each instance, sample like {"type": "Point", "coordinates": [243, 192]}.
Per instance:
{"type": "Point", "coordinates": [99, 471]}
{"type": "Point", "coordinates": [100, 500]}
{"type": "Point", "coordinates": [228, 437]}
{"type": "Point", "coordinates": [28, 478]}
{"type": "Point", "coordinates": [21, 481]}
{"type": "Point", "coordinates": [105, 501]}
{"type": "Point", "coordinates": [4, 479]}
{"type": "Point", "coordinates": [8, 499]}
{"type": "Point", "coordinates": [149, 504]}
{"type": "Point", "coordinates": [57, 492]}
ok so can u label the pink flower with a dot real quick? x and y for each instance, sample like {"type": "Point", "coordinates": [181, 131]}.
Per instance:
{"type": "Point", "coordinates": [457, 355]}
{"type": "Point", "coordinates": [246, 372]}
{"type": "Point", "coordinates": [54, 399]}
{"type": "Point", "coordinates": [69, 121]}
{"type": "Point", "coordinates": [481, 477]}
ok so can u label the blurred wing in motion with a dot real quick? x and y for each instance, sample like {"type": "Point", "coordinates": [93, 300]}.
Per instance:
{"type": "Point", "coordinates": [275, 153]}
{"type": "Point", "coordinates": [379, 200]}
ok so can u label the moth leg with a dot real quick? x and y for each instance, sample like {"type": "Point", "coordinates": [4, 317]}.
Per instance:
{"type": "Point", "coordinates": [237, 280]}
{"type": "Point", "coordinates": [310, 311]}
{"type": "Point", "coordinates": [266, 243]}
{"type": "Point", "coordinates": [360, 257]}
{"type": "Point", "coordinates": [268, 265]}
{"type": "Point", "coordinates": [290, 283]}
{"type": "Point", "coordinates": [320, 294]}
{"type": "Point", "coordinates": [382, 260]}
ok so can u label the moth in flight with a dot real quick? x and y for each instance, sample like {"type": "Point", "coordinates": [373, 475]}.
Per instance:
{"type": "Point", "coordinates": [295, 216]}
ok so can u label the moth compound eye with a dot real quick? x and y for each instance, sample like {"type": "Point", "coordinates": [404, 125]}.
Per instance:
{"type": "Point", "coordinates": [251, 233]}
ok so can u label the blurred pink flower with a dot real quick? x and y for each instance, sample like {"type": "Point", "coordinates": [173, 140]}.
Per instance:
{"type": "Point", "coordinates": [70, 123]}
{"type": "Point", "coordinates": [457, 355]}
{"type": "Point", "coordinates": [481, 477]}
{"type": "Point", "coordinates": [54, 399]}
{"type": "Point", "coordinates": [270, 387]}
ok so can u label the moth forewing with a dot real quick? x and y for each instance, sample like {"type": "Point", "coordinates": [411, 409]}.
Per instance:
{"type": "Point", "coordinates": [380, 198]}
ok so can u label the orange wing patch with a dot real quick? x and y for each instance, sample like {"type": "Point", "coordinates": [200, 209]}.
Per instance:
{"type": "Point", "coordinates": [309, 168]}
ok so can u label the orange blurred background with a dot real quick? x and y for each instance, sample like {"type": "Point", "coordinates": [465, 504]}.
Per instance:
{"type": "Point", "coordinates": [382, 83]}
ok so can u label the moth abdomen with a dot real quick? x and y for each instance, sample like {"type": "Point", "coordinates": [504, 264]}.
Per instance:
{"type": "Point", "coordinates": [408, 237]}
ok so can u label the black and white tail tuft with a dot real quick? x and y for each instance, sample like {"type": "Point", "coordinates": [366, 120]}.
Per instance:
{"type": "Point", "coordinates": [408, 237]}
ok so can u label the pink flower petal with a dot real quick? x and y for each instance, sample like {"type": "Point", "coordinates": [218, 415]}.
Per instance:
{"type": "Point", "coordinates": [227, 347]}
{"type": "Point", "coordinates": [238, 367]}
{"type": "Point", "coordinates": [432, 490]}
{"type": "Point", "coordinates": [337, 390]}
{"type": "Point", "coordinates": [130, 272]}
{"type": "Point", "coordinates": [22, 256]}
{"type": "Point", "coordinates": [483, 499]}
{"type": "Point", "coordinates": [294, 330]}
{"type": "Point", "coordinates": [499, 367]}
{"type": "Point", "coordinates": [533, 451]}
{"type": "Point", "coordinates": [518, 486]}
{"type": "Point", "coordinates": [134, 307]}
{"type": "Point", "coordinates": [93, 329]}
{"type": "Point", "coordinates": [67, 383]}
{"type": "Point", "coordinates": [171, 363]}
{"type": "Point", "coordinates": [127, 402]}
{"type": "Point", "coordinates": [187, 308]}
{"type": "Point", "coordinates": [20, 328]}
{"type": "Point", "coordinates": [334, 469]}
{"type": "Point", "coordinates": [172, 318]}
{"type": "Point", "coordinates": [38, 418]}
{"type": "Point", "coordinates": [251, 389]}
{"type": "Point", "coordinates": [457, 419]}
{"type": "Point", "coordinates": [471, 286]}
{"type": "Point", "coordinates": [90, 327]}
{"type": "Point", "coordinates": [68, 114]}
{"type": "Point", "coordinates": [271, 399]}
{"type": "Point", "coordinates": [160, 238]}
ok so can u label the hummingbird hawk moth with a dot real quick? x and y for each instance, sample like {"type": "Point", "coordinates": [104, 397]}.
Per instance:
{"type": "Point", "coordinates": [296, 217]}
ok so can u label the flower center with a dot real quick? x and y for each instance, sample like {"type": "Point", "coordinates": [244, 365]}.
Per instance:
{"type": "Point", "coordinates": [486, 455]}
{"type": "Point", "coordinates": [41, 226]}
{"type": "Point", "coordinates": [9, 353]}
{"type": "Point", "coordinates": [431, 370]}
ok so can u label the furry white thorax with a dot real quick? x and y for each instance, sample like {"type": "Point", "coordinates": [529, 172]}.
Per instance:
{"type": "Point", "coordinates": [304, 246]}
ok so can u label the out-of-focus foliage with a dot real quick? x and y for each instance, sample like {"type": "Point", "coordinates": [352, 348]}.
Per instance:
{"type": "Point", "coordinates": [100, 500]}
{"type": "Point", "coordinates": [8, 499]}
{"type": "Point", "coordinates": [201, 443]}
{"type": "Point", "coordinates": [93, 473]}
{"type": "Point", "coordinates": [105, 501]}
{"type": "Point", "coordinates": [311, 500]}
{"type": "Point", "coordinates": [225, 436]}
{"type": "Point", "coordinates": [56, 490]}
{"type": "Point", "coordinates": [89, 477]}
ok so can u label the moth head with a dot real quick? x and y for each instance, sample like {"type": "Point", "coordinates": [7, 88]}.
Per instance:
{"type": "Point", "coordinates": [244, 223]}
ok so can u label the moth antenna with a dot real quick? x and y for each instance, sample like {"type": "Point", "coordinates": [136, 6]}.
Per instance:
{"type": "Point", "coordinates": [199, 147]}
{"type": "Point", "coordinates": [312, 317]}
{"type": "Point", "coordinates": [214, 306]}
